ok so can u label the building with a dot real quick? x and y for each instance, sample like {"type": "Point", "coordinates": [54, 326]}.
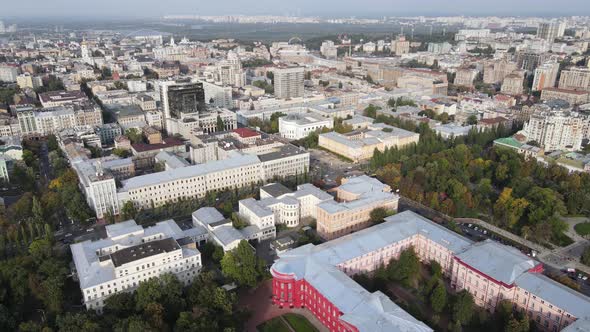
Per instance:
{"type": "Point", "coordinates": [195, 181]}
{"type": "Point", "coordinates": [27, 80]}
{"type": "Point", "coordinates": [496, 71]}
{"type": "Point", "coordinates": [98, 185]}
{"type": "Point", "coordinates": [360, 144]}
{"type": "Point", "coordinates": [288, 82]}
{"type": "Point", "coordinates": [8, 73]}
{"type": "Point", "coordinates": [11, 150]}
{"type": "Point", "coordinates": [465, 77]}
{"type": "Point", "coordinates": [545, 76]}
{"type": "Point", "coordinates": [329, 50]}
{"type": "Point", "coordinates": [400, 46]}
{"type": "Point", "coordinates": [296, 126]}
{"type": "Point", "coordinates": [127, 116]}
{"type": "Point", "coordinates": [550, 30]}
{"type": "Point", "coordinates": [279, 205]}
{"type": "Point", "coordinates": [573, 97]}
{"type": "Point", "coordinates": [319, 278]}
{"type": "Point", "coordinates": [474, 34]}
{"type": "Point", "coordinates": [180, 98]}
{"type": "Point", "coordinates": [514, 83]}
{"type": "Point", "coordinates": [529, 61]}
{"type": "Point", "coordinates": [130, 255]}
{"type": "Point", "coordinates": [229, 71]}
{"type": "Point", "coordinates": [55, 119]}
{"type": "Point", "coordinates": [152, 135]}
{"type": "Point", "coordinates": [575, 78]}
{"type": "Point", "coordinates": [557, 129]}
{"type": "Point", "coordinates": [108, 132]}
{"type": "Point", "coordinates": [59, 98]}
{"type": "Point", "coordinates": [145, 102]}
{"type": "Point", "coordinates": [218, 95]}
{"type": "Point", "coordinates": [356, 197]}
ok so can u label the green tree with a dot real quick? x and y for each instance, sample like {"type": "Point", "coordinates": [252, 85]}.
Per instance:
{"type": "Point", "coordinates": [220, 124]}
{"type": "Point", "coordinates": [463, 306]}
{"type": "Point", "coordinates": [129, 210]}
{"type": "Point", "coordinates": [406, 269]}
{"type": "Point", "coordinates": [242, 265]}
{"type": "Point", "coordinates": [134, 135]}
{"type": "Point", "coordinates": [40, 250]}
{"type": "Point", "coordinates": [472, 120]}
{"type": "Point", "coordinates": [378, 215]}
{"type": "Point", "coordinates": [438, 298]}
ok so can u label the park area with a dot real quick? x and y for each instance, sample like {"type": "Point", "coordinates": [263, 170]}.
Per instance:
{"type": "Point", "coordinates": [289, 322]}
{"type": "Point", "coordinates": [583, 229]}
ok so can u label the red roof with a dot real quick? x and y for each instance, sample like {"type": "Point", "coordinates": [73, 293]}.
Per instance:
{"type": "Point", "coordinates": [246, 132]}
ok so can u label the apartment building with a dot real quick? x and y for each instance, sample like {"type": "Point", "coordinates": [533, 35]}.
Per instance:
{"type": "Point", "coordinates": [130, 255]}
{"type": "Point", "coordinates": [545, 76]}
{"type": "Point", "coordinates": [288, 82]}
{"type": "Point", "coordinates": [296, 126]}
{"type": "Point", "coordinates": [54, 119]}
{"type": "Point", "coordinates": [27, 80]}
{"type": "Point", "coordinates": [465, 77]}
{"type": "Point", "coordinates": [496, 71]}
{"type": "Point", "coordinates": [350, 212]}
{"type": "Point", "coordinates": [573, 97]}
{"type": "Point", "coordinates": [575, 78]}
{"type": "Point", "coordinates": [557, 129]}
{"type": "Point", "coordinates": [550, 30]}
{"type": "Point", "coordinates": [99, 187]}
{"type": "Point", "coordinates": [513, 83]}
{"type": "Point", "coordinates": [361, 144]}
{"type": "Point", "coordinates": [280, 205]}
{"type": "Point", "coordinates": [319, 278]}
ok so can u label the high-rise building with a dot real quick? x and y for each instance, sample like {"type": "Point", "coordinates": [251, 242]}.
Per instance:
{"type": "Point", "coordinates": [496, 71]}
{"type": "Point", "coordinates": [514, 83]}
{"type": "Point", "coordinates": [181, 99]}
{"type": "Point", "coordinates": [575, 78]}
{"type": "Point", "coordinates": [550, 30]}
{"type": "Point", "coordinates": [288, 82]}
{"type": "Point", "coordinates": [545, 76]}
{"type": "Point", "coordinates": [329, 50]}
{"type": "Point", "coordinates": [529, 61]}
{"type": "Point", "coordinates": [229, 71]}
{"type": "Point", "coordinates": [400, 46]}
{"type": "Point", "coordinates": [557, 129]}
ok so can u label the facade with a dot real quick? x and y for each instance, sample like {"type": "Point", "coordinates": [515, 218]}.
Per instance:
{"type": "Point", "coordinates": [218, 95]}
{"type": "Point", "coordinates": [179, 99]}
{"type": "Point", "coordinates": [27, 80]}
{"type": "Point", "coordinates": [319, 278]}
{"type": "Point", "coordinates": [297, 126]}
{"type": "Point", "coordinates": [288, 82]}
{"type": "Point", "coordinates": [496, 71]}
{"type": "Point", "coordinates": [280, 205]}
{"type": "Point", "coordinates": [557, 129]}
{"type": "Point", "coordinates": [573, 97]}
{"type": "Point", "coordinates": [99, 187]}
{"type": "Point", "coordinates": [329, 50]}
{"type": "Point", "coordinates": [529, 61]}
{"type": "Point", "coordinates": [550, 30]}
{"type": "Point", "coordinates": [239, 170]}
{"type": "Point", "coordinates": [545, 76]}
{"type": "Point", "coordinates": [361, 144]}
{"type": "Point", "coordinates": [400, 46]}
{"type": "Point", "coordinates": [465, 77]}
{"type": "Point", "coordinates": [514, 83]}
{"type": "Point", "coordinates": [8, 73]}
{"type": "Point", "coordinates": [575, 79]}
{"type": "Point", "coordinates": [108, 132]}
{"type": "Point", "coordinates": [350, 212]}
{"type": "Point", "coordinates": [130, 255]}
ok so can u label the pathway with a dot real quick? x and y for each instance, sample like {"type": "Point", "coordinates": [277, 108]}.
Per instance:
{"type": "Point", "coordinates": [259, 303]}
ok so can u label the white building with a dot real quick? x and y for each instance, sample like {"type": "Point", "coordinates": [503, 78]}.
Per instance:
{"type": "Point", "coordinates": [296, 126]}
{"type": "Point", "coordinates": [194, 181]}
{"type": "Point", "coordinates": [280, 205]}
{"type": "Point", "coordinates": [130, 255]}
{"type": "Point", "coordinates": [8, 73]}
{"type": "Point", "coordinates": [545, 76]}
{"type": "Point", "coordinates": [218, 95]}
{"type": "Point", "coordinates": [557, 129]}
{"type": "Point", "coordinates": [288, 82]}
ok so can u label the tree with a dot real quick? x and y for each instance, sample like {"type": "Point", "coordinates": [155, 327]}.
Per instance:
{"type": "Point", "coordinates": [585, 259]}
{"type": "Point", "coordinates": [438, 298]}
{"type": "Point", "coordinates": [242, 265]}
{"type": "Point", "coordinates": [220, 124]}
{"type": "Point", "coordinates": [123, 153]}
{"type": "Point", "coordinates": [463, 307]}
{"type": "Point", "coordinates": [509, 209]}
{"type": "Point", "coordinates": [40, 250]}
{"type": "Point", "coordinates": [378, 215]}
{"type": "Point", "coordinates": [406, 269]}
{"type": "Point", "coordinates": [129, 210]}
{"type": "Point", "coordinates": [134, 135]}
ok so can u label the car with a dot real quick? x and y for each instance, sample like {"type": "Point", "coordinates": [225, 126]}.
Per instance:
{"type": "Point", "coordinates": [470, 225]}
{"type": "Point", "coordinates": [90, 230]}
{"type": "Point", "coordinates": [580, 276]}
{"type": "Point", "coordinates": [485, 232]}
{"type": "Point", "coordinates": [476, 228]}
{"type": "Point", "coordinates": [68, 235]}
{"type": "Point", "coordinates": [584, 278]}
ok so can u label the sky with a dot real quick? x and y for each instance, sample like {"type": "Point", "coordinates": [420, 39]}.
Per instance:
{"type": "Point", "coordinates": [333, 8]}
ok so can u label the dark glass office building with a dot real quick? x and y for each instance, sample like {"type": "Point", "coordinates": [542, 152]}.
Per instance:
{"type": "Point", "coordinates": [186, 98]}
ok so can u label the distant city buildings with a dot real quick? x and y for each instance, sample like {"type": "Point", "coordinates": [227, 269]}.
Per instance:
{"type": "Point", "coordinates": [551, 30]}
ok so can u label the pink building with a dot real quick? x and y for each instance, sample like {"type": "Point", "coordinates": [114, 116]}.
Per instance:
{"type": "Point", "coordinates": [319, 278]}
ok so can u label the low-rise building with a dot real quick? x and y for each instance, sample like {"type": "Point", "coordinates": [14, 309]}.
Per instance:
{"type": "Point", "coordinates": [58, 98]}
{"type": "Point", "coordinates": [130, 255]}
{"type": "Point", "coordinates": [360, 144]}
{"type": "Point", "coordinates": [296, 126]}
{"type": "Point", "coordinates": [356, 198]}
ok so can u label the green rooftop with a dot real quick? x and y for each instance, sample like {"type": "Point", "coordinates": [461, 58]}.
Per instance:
{"type": "Point", "coordinates": [508, 142]}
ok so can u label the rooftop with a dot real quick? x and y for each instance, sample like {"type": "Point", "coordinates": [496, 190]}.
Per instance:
{"type": "Point", "coordinates": [144, 250]}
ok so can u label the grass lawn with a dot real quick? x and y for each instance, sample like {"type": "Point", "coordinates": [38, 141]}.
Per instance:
{"type": "Point", "coordinates": [299, 323]}
{"type": "Point", "coordinates": [583, 229]}
{"type": "Point", "coordinates": [273, 325]}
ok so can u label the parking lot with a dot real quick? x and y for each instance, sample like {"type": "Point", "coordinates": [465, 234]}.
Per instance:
{"type": "Point", "coordinates": [329, 167]}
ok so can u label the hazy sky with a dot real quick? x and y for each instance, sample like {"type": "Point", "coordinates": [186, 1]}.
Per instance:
{"type": "Point", "coordinates": [155, 8]}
